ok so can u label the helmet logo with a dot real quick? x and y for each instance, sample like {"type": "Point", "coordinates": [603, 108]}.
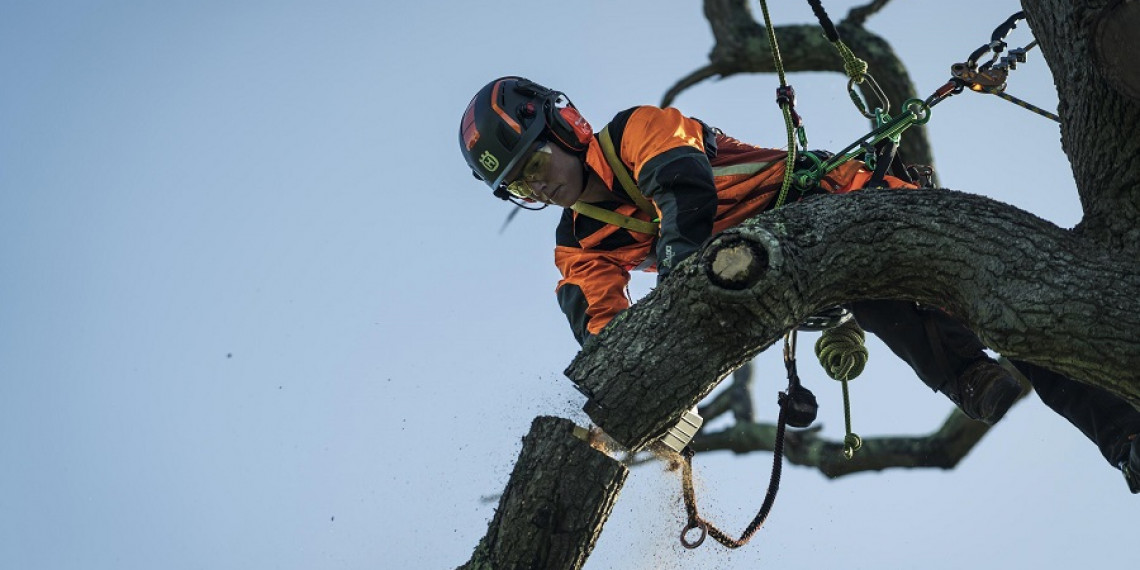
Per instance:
{"type": "Point", "coordinates": [489, 161]}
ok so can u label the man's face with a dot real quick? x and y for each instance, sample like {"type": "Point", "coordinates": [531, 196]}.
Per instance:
{"type": "Point", "coordinates": [549, 175]}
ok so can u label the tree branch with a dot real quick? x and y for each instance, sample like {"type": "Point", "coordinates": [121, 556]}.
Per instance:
{"type": "Point", "coordinates": [1031, 290]}
{"type": "Point", "coordinates": [859, 14]}
{"type": "Point", "coordinates": [697, 76]}
{"type": "Point", "coordinates": [943, 448]}
{"type": "Point", "coordinates": [736, 399]}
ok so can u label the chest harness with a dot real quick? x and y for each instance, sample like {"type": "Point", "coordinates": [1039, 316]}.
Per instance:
{"type": "Point", "coordinates": [630, 187]}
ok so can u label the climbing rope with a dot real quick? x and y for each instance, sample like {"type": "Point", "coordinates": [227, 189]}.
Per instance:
{"type": "Point", "coordinates": [855, 68]}
{"type": "Point", "coordinates": [786, 99]}
{"type": "Point", "coordinates": [798, 408]}
{"type": "Point", "coordinates": [843, 355]}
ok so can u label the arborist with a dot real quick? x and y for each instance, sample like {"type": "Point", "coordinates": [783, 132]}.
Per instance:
{"type": "Point", "coordinates": [648, 189]}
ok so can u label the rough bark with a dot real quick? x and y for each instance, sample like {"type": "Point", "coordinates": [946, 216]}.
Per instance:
{"type": "Point", "coordinates": [1098, 118]}
{"type": "Point", "coordinates": [559, 495]}
{"type": "Point", "coordinates": [1032, 291]}
{"type": "Point", "coordinates": [1065, 300]}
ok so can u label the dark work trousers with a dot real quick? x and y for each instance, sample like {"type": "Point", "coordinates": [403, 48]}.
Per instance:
{"type": "Point", "coordinates": [914, 332]}
{"type": "Point", "coordinates": [939, 348]}
{"type": "Point", "coordinates": [1104, 418]}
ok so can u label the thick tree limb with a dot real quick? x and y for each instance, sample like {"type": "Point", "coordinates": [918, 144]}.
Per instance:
{"type": "Point", "coordinates": [736, 399]}
{"type": "Point", "coordinates": [560, 493]}
{"type": "Point", "coordinates": [1032, 291]}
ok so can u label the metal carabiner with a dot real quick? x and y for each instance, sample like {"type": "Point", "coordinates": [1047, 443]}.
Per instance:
{"type": "Point", "coordinates": [997, 41]}
{"type": "Point", "coordinates": [860, 104]}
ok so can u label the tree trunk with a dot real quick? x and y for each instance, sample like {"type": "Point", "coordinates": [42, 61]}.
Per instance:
{"type": "Point", "coordinates": [1099, 118]}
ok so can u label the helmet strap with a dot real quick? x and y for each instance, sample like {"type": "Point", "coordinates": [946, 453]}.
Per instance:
{"type": "Point", "coordinates": [524, 205]}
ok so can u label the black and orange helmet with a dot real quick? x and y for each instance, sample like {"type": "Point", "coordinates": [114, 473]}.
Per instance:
{"type": "Point", "coordinates": [506, 117]}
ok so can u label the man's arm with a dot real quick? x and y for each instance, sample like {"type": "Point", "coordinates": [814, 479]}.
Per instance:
{"type": "Point", "coordinates": [669, 154]}
{"type": "Point", "coordinates": [680, 182]}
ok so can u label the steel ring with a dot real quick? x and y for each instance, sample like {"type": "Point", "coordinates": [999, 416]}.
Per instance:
{"type": "Point", "coordinates": [690, 526]}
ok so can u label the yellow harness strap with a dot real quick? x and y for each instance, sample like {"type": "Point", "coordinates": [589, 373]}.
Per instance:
{"type": "Point", "coordinates": [611, 217]}
{"type": "Point", "coordinates": [622, 175]}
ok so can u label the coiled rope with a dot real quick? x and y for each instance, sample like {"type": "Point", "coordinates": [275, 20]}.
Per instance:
{"type": "Point", "coordinates": [843, 355]}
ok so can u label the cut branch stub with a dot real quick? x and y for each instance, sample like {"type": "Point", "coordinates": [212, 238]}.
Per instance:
{"type": "Point", "coordinates": [735, 263]}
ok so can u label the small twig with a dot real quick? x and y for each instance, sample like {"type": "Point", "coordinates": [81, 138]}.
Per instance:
{"type": "Point", "coordinates": [942, 449]}
{"type": "Point", "coordinates": [859, 14]}
{"type": "Point", "coordinates": [688, 81]}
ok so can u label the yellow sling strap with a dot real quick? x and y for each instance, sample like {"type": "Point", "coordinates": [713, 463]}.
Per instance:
{"type": "Point", "coordinates": [611, 217]}
{"type": "Point", "coordinates": [622, 174]}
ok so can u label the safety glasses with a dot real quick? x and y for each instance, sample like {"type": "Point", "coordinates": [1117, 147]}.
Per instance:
{"type": "Point", "coordinates": [534, 169]}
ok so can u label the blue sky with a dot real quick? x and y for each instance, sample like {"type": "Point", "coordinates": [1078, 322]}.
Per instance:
{"type": "Point", "coordinates": [258, 314]}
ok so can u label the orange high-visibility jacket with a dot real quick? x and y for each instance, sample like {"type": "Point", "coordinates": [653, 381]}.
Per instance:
{"type": "Point", "coordinates": [700, 180]}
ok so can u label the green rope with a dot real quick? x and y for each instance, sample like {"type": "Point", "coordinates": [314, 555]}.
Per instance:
{"type": "Point", "coordinates": [842, 346]}
{"type": "Point", "coordinates": [790, 162]}
{"type": "Point", "coordinates": [856, 68]}
{"type": "Point", "coordinates": [841, 351]}
{"type": "Point", "coordinates": [843, 356]}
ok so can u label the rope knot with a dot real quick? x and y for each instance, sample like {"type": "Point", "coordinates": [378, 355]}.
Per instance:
{"type": "Point", "coordinates": [854, 67]}
{"type": "Point", "coordinates": [841, 351]}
